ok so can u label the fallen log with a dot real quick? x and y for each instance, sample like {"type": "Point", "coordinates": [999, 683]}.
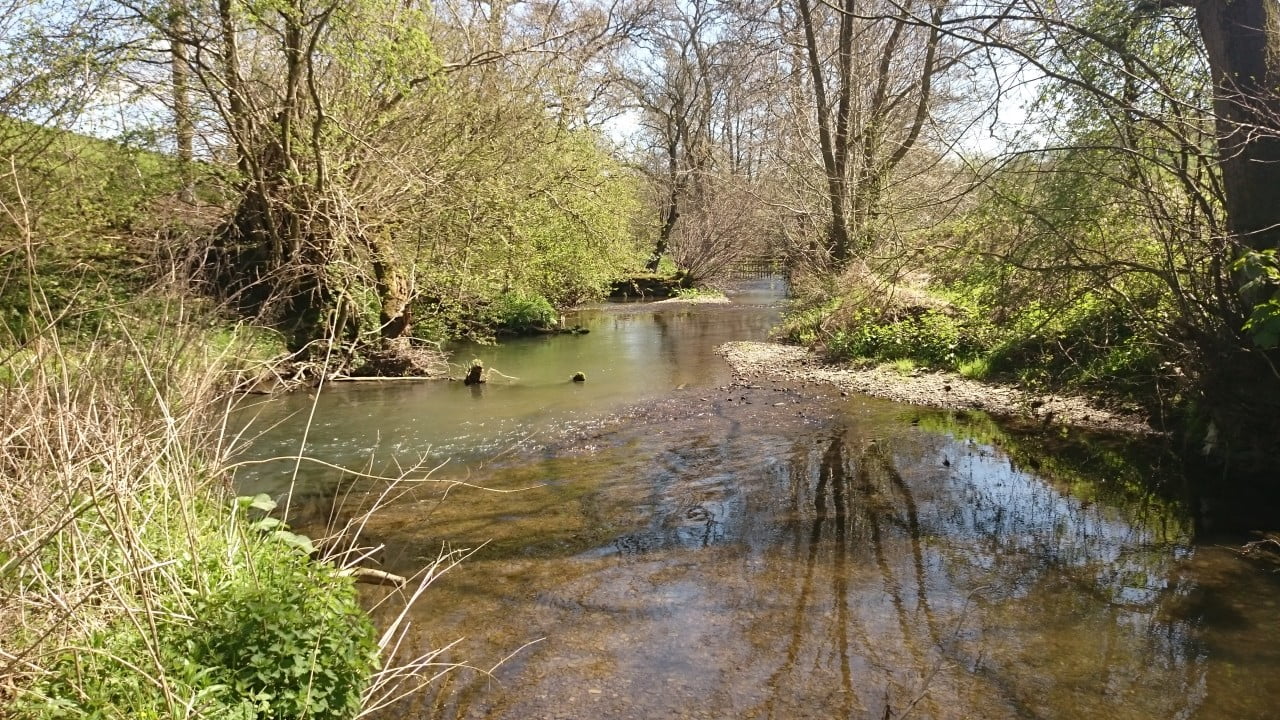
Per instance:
{"type": "Point", "coordinates": [370, 576]}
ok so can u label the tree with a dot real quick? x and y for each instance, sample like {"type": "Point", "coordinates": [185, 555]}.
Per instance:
{"type": "Point", "coordinates": [870, 103]}
{"type": "Point", "coordinates": [676, 70]}
{"type": "Point", "coordinates": [1242, 43]}
{"type": "Point", "coordinates": [700, 78]}
{"type": "Point", "coordinates": [1149, 184]}
{"type": "Point", "coordinates": [355, 125]}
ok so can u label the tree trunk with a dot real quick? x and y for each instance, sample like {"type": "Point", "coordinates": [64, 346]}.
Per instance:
{"type": "Point", "coordinates": [833, 157]}
{"type": "Point", "coordinates": [395, 292]}
{"type": "Point", "coordinates": [239, 119]}
{"type": "Point", "coordinates": [183, 125]}
{"type": "Point", "coordinates": [1242, 385]}
{"type": "Point", "coordinates": [1242, 40]}
{"type": "Point", "coordinates": [671, 207]}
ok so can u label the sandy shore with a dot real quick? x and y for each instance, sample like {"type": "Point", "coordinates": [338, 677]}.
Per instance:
{"type": "Point", "coordinates": [757, 360]}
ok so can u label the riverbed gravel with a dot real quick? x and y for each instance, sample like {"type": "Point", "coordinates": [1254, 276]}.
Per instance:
{"type": "Point", "coordinates": [696, 300]}
{"type": "Point", "coordinates": [760, 360]}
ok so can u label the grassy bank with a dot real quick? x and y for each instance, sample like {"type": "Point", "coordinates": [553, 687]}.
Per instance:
{"type": "Point", "coordinates": [1083, 343]}
{"type": "Point", "coordinates": [132, 583]}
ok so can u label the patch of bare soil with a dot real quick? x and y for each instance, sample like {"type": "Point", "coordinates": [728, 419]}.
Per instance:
{"type": "Point", "coordinates": [754, 360]}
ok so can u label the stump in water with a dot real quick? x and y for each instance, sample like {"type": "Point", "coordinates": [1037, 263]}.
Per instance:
{"type": "Point", "coordinates": [475, 375]}
{"type": "Point", "coordinates": [579, 377]}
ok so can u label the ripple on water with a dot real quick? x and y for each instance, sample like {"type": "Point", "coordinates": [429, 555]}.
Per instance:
{"type": "Point", "coordinates": [842, 558]}
{"type": "Point", "coordinates": [754, 570]}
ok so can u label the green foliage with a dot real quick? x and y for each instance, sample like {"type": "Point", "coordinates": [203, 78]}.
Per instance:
{"type": "Point", "coordinates": [999, 322]}
{"type": "Point", "coordinates": [552, 224]}
{"type": "Point", "coordinates": [930, 338]}
{"type": "Point", "coordinates": [978, 368]}
{"type": "Point", "coordinates": [1262, 286]}
{"type": "Point", "coordinates": [290, 642]}
{"type": "Point", "coordinates": [516, 313]}
{"type": "Point", "coordinates": [1087, 342]}
{"type": "Point", "coordinates": [804, 324]}
{"type": "Point", "coordinates": [1264, 323]}
{"type": "Point", "coordinates": [247, 343]}
{"type": "Point", "coordinates": [89, 194]}
{"type": "Point", "coordinates": [248, 627]}
{"type": "Point", "coordinates": [667, 267]}
{"type": "Point", "coordinates": [382, 46]}
{"type": "Point", "coordinates": [83, 186]}
{"type": "Point", "coordinates": [905, 366]}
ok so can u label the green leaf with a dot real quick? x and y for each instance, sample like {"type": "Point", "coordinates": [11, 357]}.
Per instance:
{"type": "Point", "coordinates": [263, 502]}
{"type": "Point", "coordinates": [1264, 324]}
{"type": "Point", "coordinates": [301, 542]}
{"type": "Point", "coordinates": [268, 523]}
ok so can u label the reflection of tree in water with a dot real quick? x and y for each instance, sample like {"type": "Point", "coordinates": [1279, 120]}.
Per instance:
{"type": "Point", "coordinates": [846, 527]}
{"type": "Point", "coordinates": [688, 507]}
{"type": "Point", "coordinates": [978, 583]}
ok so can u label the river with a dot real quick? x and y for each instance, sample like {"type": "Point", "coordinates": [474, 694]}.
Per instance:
{"type": "Point", "coordinates": [660, 542]}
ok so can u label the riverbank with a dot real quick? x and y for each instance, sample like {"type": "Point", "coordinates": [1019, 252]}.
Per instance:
{"type": "Point", "coordinates": [127, 564]}
{"type": "Point", "coordinates": [695, 300]}
{"type": "Point", "coordinates": [759, 360]}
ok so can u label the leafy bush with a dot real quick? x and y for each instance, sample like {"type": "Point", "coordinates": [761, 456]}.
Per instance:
{"type": "Point", "coordinates": [551, 217]}
{"type": "Point", "coordinates": [930, 338]}
{"type": "Point", "coordinates": [276, 636]}
{"type": "Point", "coordinates": [518, 313]}
{"type": "Point", "coordinates": [289, 642]}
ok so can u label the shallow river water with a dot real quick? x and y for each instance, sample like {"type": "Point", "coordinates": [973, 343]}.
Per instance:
{"type": "Point", "coordinates": [675, 545]}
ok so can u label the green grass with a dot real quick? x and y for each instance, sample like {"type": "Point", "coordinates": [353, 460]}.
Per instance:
{"type": "Point", "coordinates": [697, 293]}
{"type": "Point", "coordinates": [903, 366]}
{"type": "Point", "coordinates": [978, 368]}
{"type": "Point", "coordinates": [83, 217]}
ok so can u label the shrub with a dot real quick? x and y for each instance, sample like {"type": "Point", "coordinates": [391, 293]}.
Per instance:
{"type": "Point", "coordinates": [287, 641]}
{"type": "Point", "coordinates": [930, 338]}
{"type": "Point", "coordinates": [518, 313]}
{"type": "Point", "coordinates": [272, 636]}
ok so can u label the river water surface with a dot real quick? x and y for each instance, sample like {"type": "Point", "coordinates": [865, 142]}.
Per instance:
{"type": "Point", "coordinates": [678, 545]}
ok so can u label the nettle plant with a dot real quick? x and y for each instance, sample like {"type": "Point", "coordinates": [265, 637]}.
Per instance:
{"type": "Point", "coordinates": [287, 638]}
{"type": "Point", "coordinates": [270, 635]}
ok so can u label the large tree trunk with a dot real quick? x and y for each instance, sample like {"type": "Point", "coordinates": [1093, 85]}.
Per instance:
{"type": "Point", "coordinates": [1242, 383]}
{"type": "Point", "coordinates": [1242, 40]}
{"type": "Point", "coordinates": [393, 281]}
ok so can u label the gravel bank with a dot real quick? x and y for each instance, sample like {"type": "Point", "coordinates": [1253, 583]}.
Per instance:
{"type": "Point", "coordinates": [935, 389]}
{"type": "Point", "coordinates": [695, 300]}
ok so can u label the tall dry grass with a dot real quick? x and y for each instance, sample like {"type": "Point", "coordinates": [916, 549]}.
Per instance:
{"type": "Point", "coordinates": [108, 453]}
{"type": "Point", "coordinates": [119, 529]}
